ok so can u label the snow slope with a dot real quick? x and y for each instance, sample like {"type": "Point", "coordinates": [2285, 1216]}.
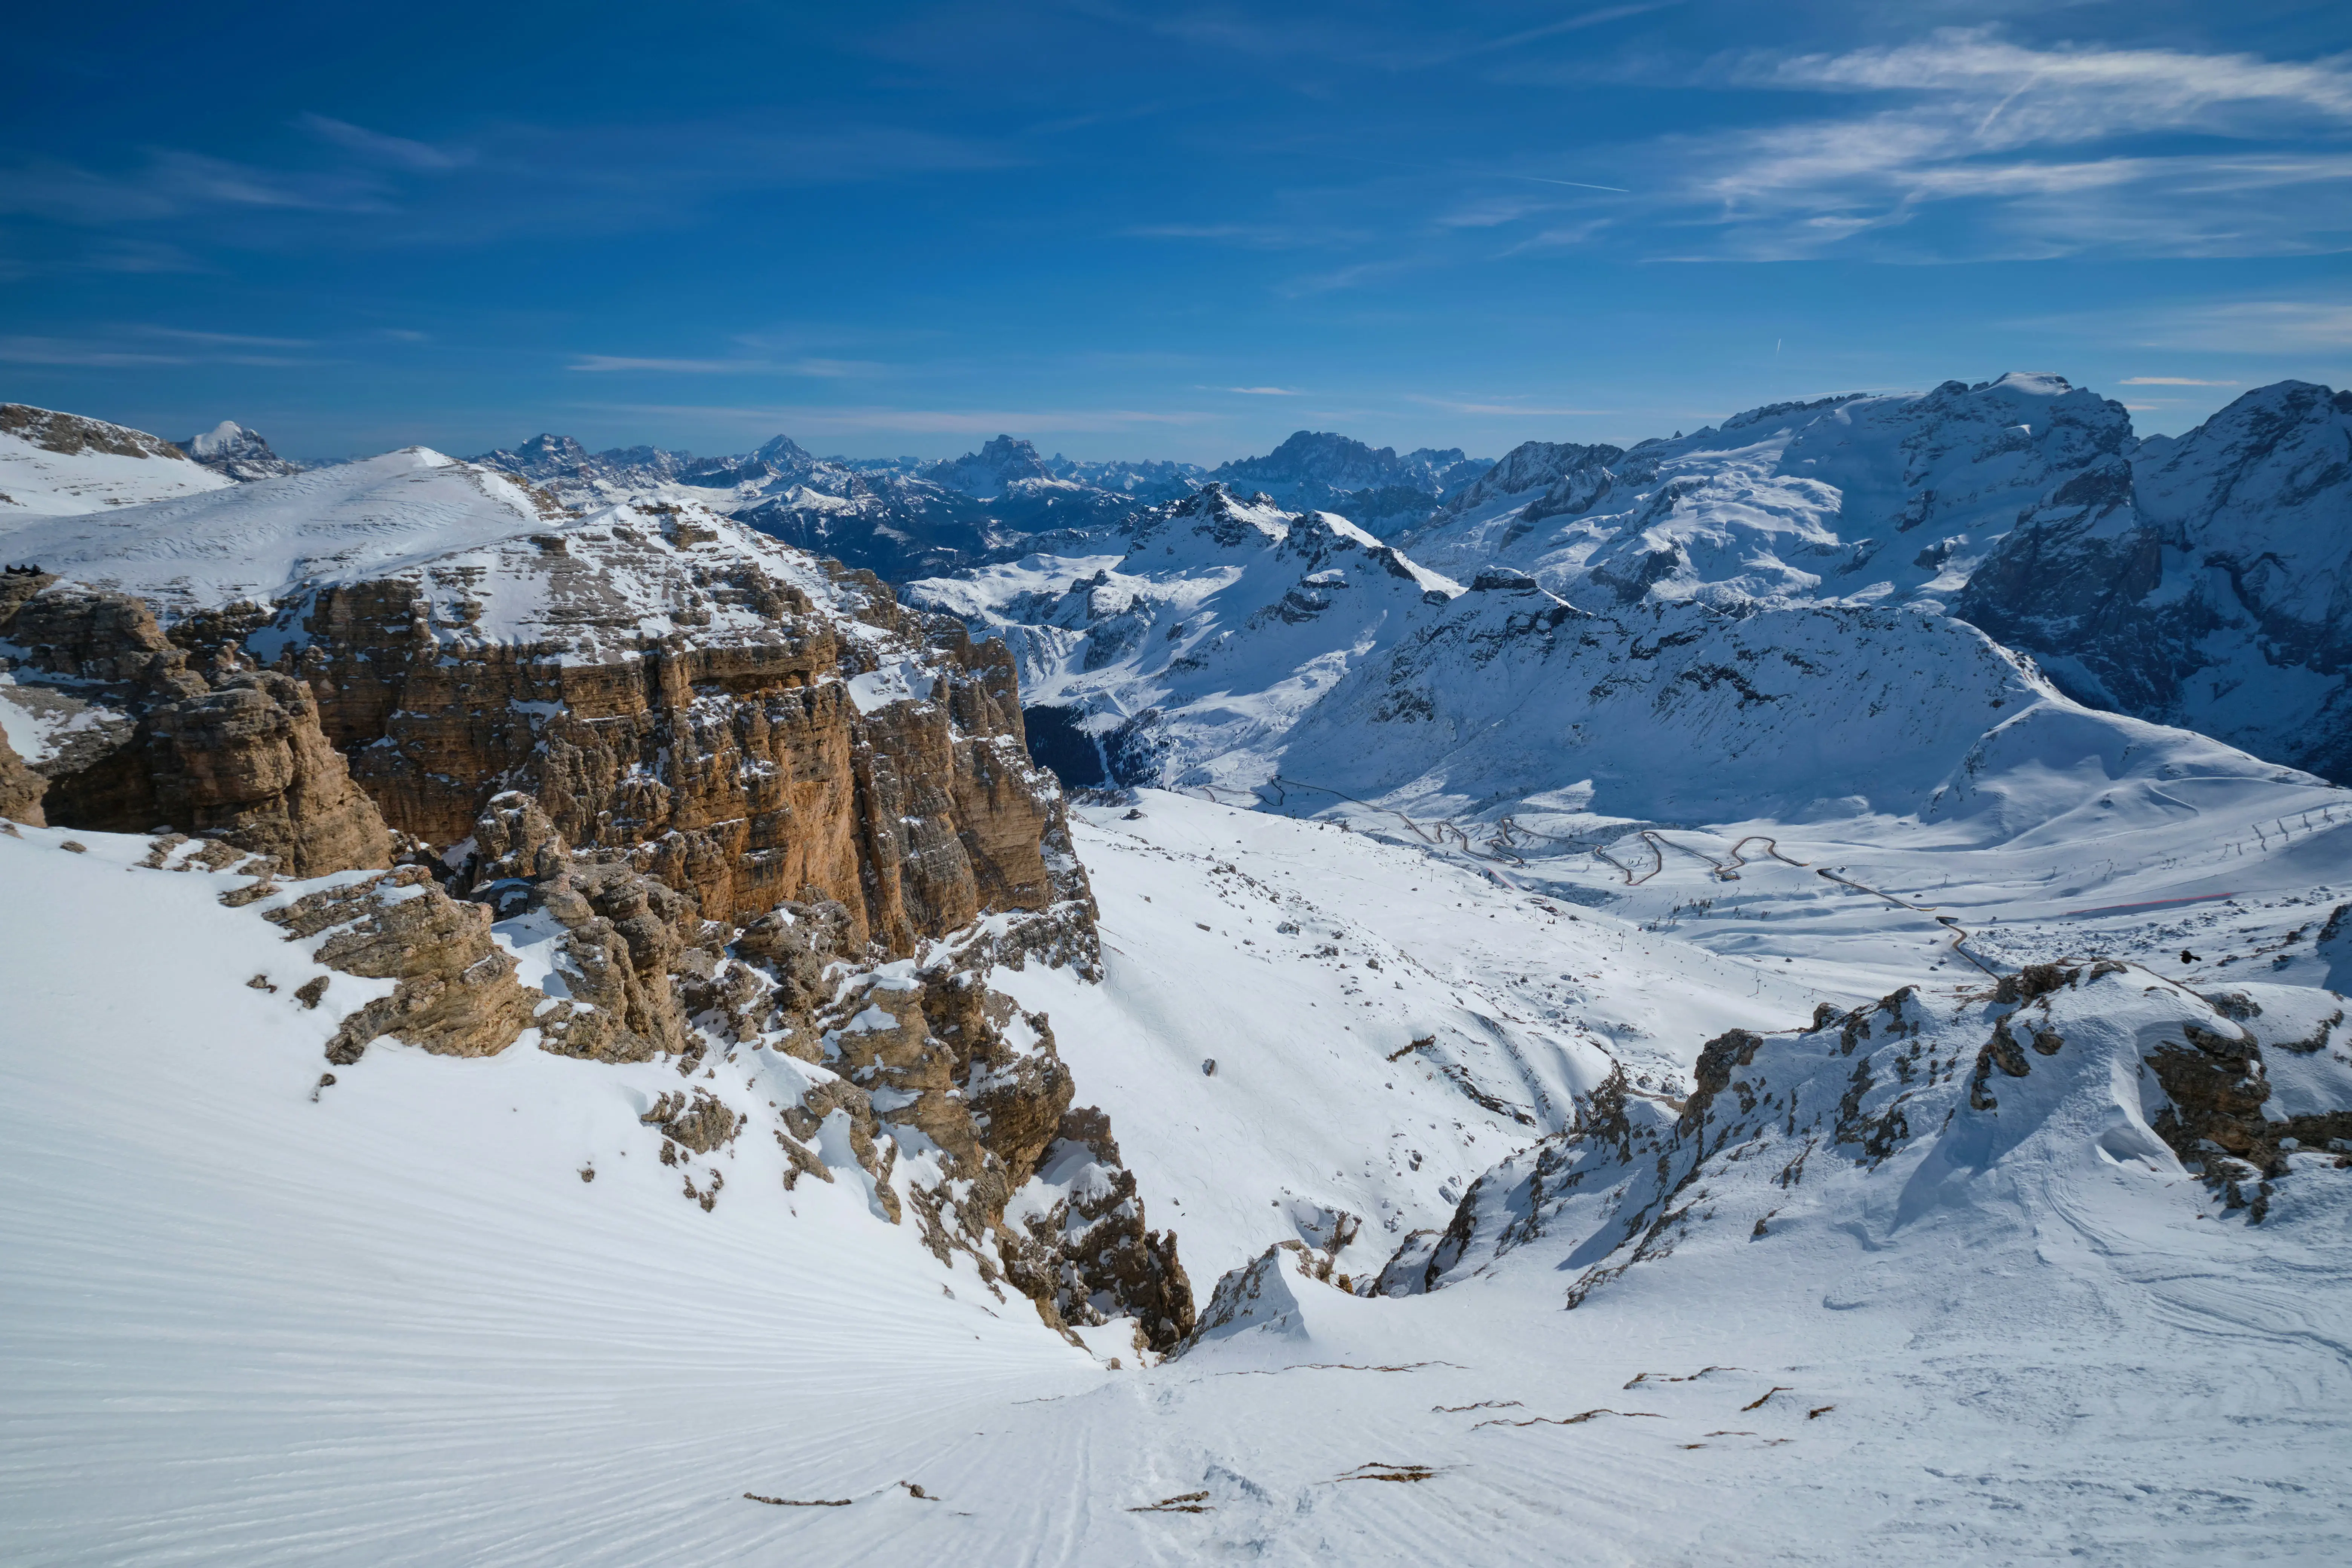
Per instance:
{"type": "Point", "coordinates": [266, 539]}
{"type": "Point", "coordinates": [491, 559]}
{"type": "Point", "coordinates": [53, 464]}
{"type": "Point", "coordinates": [250, 1320]}
{"type": "Point", "coordinates": [1863, 498]}
{"type": "Point", "coordinates": [1383, 1024]}
{"type": "Point", "coordinates": [2024, 1334]}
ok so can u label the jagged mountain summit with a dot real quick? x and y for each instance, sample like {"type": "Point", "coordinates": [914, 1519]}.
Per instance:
{"type": "Point", "coordinates": [1857, 498]}
{"type": "Point", "coordinates": [1222, 621]}
{"type": "Point", "coordinates": [229, 448]}
{"type": "Point", "coordinates": [580, 478]}
{"type": "Point", "coordinates": [1319, 472]}
{"type": "Point", "coordinates": [900, 519]}
{"type": "Point", "coordinates": [996, 467]}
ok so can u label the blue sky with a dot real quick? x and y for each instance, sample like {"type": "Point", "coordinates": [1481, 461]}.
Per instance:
{"type": "Point", "coordinates": [1173, 229]}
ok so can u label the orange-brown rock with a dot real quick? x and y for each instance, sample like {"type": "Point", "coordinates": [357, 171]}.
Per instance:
{"type": "Point", "coordinates": [725, 742]}
{"type": "Point", "coordinates": [149, 741]}
{"type": "Point", "coordinates": [457, 995]}
{"type": "Point", "coordinates": [20, 789]}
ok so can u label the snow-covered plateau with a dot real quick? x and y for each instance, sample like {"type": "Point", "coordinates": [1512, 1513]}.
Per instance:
{"type": "Point", "coordinates": [1625, 1016]}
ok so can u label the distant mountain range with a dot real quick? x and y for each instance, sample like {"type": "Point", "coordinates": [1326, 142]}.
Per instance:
{"type": "Point", "coordinates": [2203, 580]}
{"type": "Point", "coordinates": [904, 519]}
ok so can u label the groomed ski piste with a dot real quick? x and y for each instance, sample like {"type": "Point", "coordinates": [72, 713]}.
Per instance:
{"type": "Point", "coordinates": [248, 1320]}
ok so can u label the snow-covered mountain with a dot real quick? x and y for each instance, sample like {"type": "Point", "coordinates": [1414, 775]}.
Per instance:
{"type": "Point", "coordinates": [988, 473]}
{"type": "Point", "coordinates": [265, 541]}
{"type": "Point", "coordinates": [1866, 499]}
{"type": "Point", "coordinates": [1320, 471]}
{"type": "Point", "coordinates": [900, 519]}
{"type": "Point", "coordinates": [1868, 1043]}
{"type": "Point", "coordinates": [54, 464]}
{"type": "Point", "coordinates": [1220, 623]}
{"type": "Point", "coordinates": [229, 448]}
{"type": "Point", "coordinates": [580, 478]}
{"type": "Point", "coordinates": [1294, 664]}
{"type": "Point", "coordinates": [2206, 582]}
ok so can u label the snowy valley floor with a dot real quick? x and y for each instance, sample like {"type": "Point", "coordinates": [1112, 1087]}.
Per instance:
{"type": "Point", "coordinates": [390, 1324]}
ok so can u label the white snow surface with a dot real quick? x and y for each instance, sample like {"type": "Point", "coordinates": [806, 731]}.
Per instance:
{"type": "Point", "coordinates": [1866, 499]}
{"type": "Point", "coordinates": [491, 559]}
{"type": "Point", "coordinates": [265, 541]}
{"type": "Point", "coordinates": [393, 1325]}
{"type": "Point", "coordinates": [1442, 861]}
{"type": "Point", "coordinates": [37, 483]}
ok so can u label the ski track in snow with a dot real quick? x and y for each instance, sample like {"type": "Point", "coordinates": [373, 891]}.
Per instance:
{"type": "Point", "coordinates": [394, 1326]}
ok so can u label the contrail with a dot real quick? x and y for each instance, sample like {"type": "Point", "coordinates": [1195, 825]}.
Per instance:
{"type": "Point", "coordinates": [1579, 185]}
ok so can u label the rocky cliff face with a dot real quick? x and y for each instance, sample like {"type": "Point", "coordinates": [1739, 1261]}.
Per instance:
{"type": "Point", "coordinates": [665, 683]}
{"type": "Point", "coordinates": [915, 1077]}
{"type": "Point", "coordinates": [135, 735]}
{"type": "Point", "coordinates": [665, 792]}
{"type": "Point", "coordinates": [2204, 580]}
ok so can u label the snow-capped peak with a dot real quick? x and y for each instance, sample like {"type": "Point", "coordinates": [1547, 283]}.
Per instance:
{"type": "Point", "coordinates": [231, 449]}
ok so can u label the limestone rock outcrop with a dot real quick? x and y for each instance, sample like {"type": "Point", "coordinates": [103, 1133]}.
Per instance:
{"type": "Point", "coordinates": [742, 723]}
{"type": "Point", "coordinates": [457, 995]}
{"type": "Point", "coordinates": [725, 799]}
{"type": "Point", "coordinates": [20, 789]}
{"type": "Point", "coordinates": [916, 1056]}
{"type": "Point", "coordinates": [145, 737]}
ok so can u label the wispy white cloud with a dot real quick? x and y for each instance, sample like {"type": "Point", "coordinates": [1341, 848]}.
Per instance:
{"type": "Point", "coordinates": [219, 339]}
{"type": "Point", "coordinates": [2289, 328]}
{"type": "Point", "coordinates": [19, 350]}
{"type": "Point", "coordinates": [1505, 410]}
{"type": "Point", "coordinates": [138, 256]}
{"type": "Point", "coordinates": [1263, 391]}
{"type": "Point", "coordinates": [1359, 38]}
{"type": "Point", "coordinates": [136, 346]}
{"type": "Point", "coordinates": [2256, 326]}
{"type": "Point", "coordinates": [1249, 235]}
{"type": "Point", "coordinates": [1353, 276]}
{"type": "Point", "coordinates": [1494, 212]}
{"type": "Point", "coordinates": [2013, 133]}
{"type": "Point", "coordinates": [809, 367]}
{"type": "Point", "coordinates": [2037, 95]}
{"type": "Point", "coordinates": [1561, 237]}
{"type": "Point", "coordinates": [172, 184]}
{"type": "Point", "coordinates": [397, 150]}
